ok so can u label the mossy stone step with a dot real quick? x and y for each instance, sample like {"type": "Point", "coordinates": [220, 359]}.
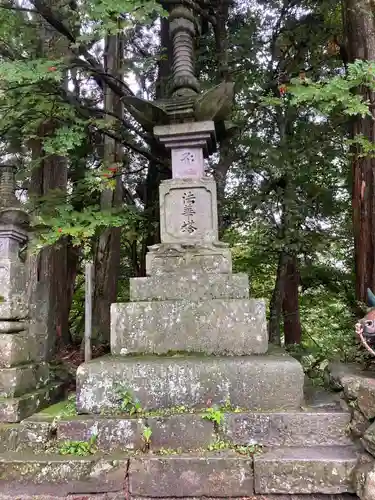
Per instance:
{"type": "Point", "coordinates": [195, 474]}
{"type": "Point", "coordinates": [188, 431]}
{"type": "Point", "coordinates": [306, 470]}
{"type": "Point", "coordinates": [18, 408]}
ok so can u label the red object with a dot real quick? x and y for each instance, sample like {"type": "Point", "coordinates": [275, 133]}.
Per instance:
{"type": "Point", "coordinates": [283, 89]}
{"type": "Point", "coordinates": [113, 169]}
{"type": "Point", "coordinates": [60, 230]}
{"type": "Point", "coordinates": [52, 68]}
{"type": "Point", "coordinates": [106, 176]}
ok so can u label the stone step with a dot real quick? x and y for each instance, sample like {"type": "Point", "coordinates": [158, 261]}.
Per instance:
{"type": "Point", "coordinates": [193, 286]}
{"type": "Point", "coordinates": [227, 473]}
{"type": "Point", "coordinates": [305, 470]}
{"type": "Point", "coordinates": [68, 474]}
{"type": "Point", "coordinates": [269, 382]}
{"type": "Point", "coordinates": [217, 326]}
{"type": "Point", "coordinates": [19, 408]}
{"type": "Point", "coordinates": [186, 431]}
{"type": "Point", "coordinates": [192, 475]}
{"type": "Point", "coordinates": [19, 380]}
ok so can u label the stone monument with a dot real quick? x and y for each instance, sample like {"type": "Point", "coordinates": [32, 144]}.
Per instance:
{"type": "Point", "coordinates": [24, 379]}
{"type": "Point", "coordinates": [190, 334]}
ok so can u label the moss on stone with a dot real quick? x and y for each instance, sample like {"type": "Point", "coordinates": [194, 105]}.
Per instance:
{"type": "Point", "coordinates": [65, 408]}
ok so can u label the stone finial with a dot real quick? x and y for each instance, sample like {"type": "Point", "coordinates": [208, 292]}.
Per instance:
{"type": "Point", "coordinates": [7, 187]}
{"type": "Point", "coordinates": [183, 30]}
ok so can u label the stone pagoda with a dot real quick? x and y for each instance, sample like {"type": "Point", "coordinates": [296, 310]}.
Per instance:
{"type": "Point", "coordinates": [26, 384]}
{"type": "Point", "coordinates": [190, 335]}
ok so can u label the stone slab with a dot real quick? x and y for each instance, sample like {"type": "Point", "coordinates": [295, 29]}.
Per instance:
{"type": "Point", "coordinates": [72, 474]}
{"type": "Point", "coordinates": [17, 409]}
{"type": "Point", "coordinates": [16, 349]}
{"type": "Point", "coordinates": [18, 380]}
{"type": "Point", "coordinates": [269, 382]}
{"type": "Point", "coordinates": [315, 428]}
{"type": "Point", "coordinates": [174, 258]}
{"type": "Point", "coordinates": [189, 476]}
{"type": "Point", "coordinates": [183, 432]}
{"type": "Point", "coordinates": [368, 439]}
{"type": "Point", "coordinates": [220, 327]}
{"type": "Point", "coordinates": [189, 286]}
{"type": "Point", "coordinates": [258, 497]}
{"type": "Point", "coordinates": [112, 433]}
{"type": "Point", "coordinates": [305, 470]}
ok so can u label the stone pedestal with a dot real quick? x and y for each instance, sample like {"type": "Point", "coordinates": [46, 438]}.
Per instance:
{"type": "Point", "coordinates": [190, 334]}
{"type": "Point", "coordinates": [24, 385]}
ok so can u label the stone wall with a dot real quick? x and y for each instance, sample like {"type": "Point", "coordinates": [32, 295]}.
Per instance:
{"type": "Point", "coordinates": [357, 390]}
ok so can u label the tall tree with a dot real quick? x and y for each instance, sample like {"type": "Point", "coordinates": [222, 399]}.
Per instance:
{"type": "Point", "coordinates": [107, 251]}
{"type": "Point", "coordinates": [359, 24]}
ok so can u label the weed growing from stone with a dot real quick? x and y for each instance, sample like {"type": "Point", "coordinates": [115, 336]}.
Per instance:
{"type": "Point", "coordinates": [128, 404]}
{"type": "Point", "coordinates": [146, 436]}
{"type": "Point", "coordinates": [168, 451]}
{"type": "Point", "coordinates": [80, 448]}
{"type": "Point", "coordinates": [215, 415]}
{"type": "Point", "coordinates": [221, 445]}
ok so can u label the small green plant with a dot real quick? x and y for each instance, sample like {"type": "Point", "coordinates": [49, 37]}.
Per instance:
{"type": "Point", "coordinates": [80, 448]}
{"type": "Point", "coordinates": [146, 435]}
{"type": "Point", "coordinates": [251, 450]}
{"type": "Point", "coordinates": [219, 445]}
{"type": "Point", "coordinates": [215, 414]}
{"type": "Point", "coordinates": [169, 451]}
{"type": "Point", "coordinates": [128, 404]}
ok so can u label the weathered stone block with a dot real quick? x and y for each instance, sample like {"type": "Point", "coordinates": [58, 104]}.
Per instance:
{"type": "Point", "coordinates": [230, 327]}
{"type": "Point", "coordinates": [351, 379]}
{"type": "Point", "coordinates": [366, 398]}
{"type": "Point", "coordinates": [193, 286]}
{"type": "Point", "coordinates": [16, 409]}
{"type": "Point", "coordinates": [358, 424]}
{"type": "Point", "coordinates": [369, 439]}
{"type": "Point", "coordinates": [252, 382]}
{"type": "Point", "coordinates": [288, 429]}
{"type": "Point", "coordinates": [9, 437]}
{"type": "Point", "coordinates": [176, 258]}
{"type": "Point", "coordinates": [104, 474]}
{"type": "Point", "coordinates": [21, 379]}
{"type": "Point", "coordinates": [188, 211]}
{"type": "Point", "coordinates": [36, 433]}
{"type": "Point", "coordinates": [16, 349]}
{"type": "Point", "coordinates": [184, 432]}
{"type": "Point", "coordinates": [364, 478]}
{"type": "Point", "coordinates": [112, 433]}
{"type": "Point", "coordinates": [188, 476]}
{"type": "Point", "coordinates": [12, 290]}
{"type": "Point", "coordinates": [305, 470]}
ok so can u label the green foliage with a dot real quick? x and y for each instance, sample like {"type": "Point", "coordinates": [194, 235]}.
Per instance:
{"type": "Point", "coordinates": [128, 404]}
{"type": "Point", "coordinates": [215, 415]}
{"type": "Point", "coordinates": [146, 435]}
{"type": "Point", "coordinates": [80, 226]}
{"type": "Point", "coordinates": [80, 448]}
{"type": "Point", "coordinates": [337, 93]}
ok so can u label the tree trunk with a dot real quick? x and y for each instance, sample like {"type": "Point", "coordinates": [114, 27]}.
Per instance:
{"type": "Point", "coordinates": [49, 179]}
{"type": "Point", "coordinates": [276, 303]}
{"type": "Point", "coordinates": [292, 323]}
{"type": "Point", "coordinates": [360, 41]}
{"type": "Point", "coordinates": [107, 252]}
